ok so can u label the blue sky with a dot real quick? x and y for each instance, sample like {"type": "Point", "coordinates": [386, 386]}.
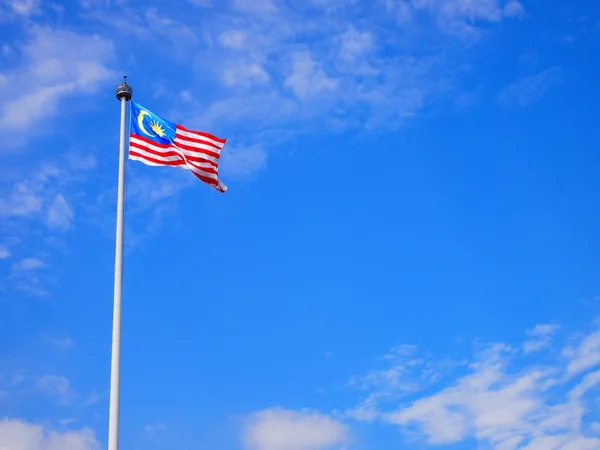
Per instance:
{"type": "Point", "coordinates": [407, 256]}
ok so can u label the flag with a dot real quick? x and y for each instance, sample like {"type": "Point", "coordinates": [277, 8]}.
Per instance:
{"type": "Point", "coordinates": [157, 142]}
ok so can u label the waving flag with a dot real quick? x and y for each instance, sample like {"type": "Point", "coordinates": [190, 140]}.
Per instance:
{"type": "Point", "coordinates": [158, 142]}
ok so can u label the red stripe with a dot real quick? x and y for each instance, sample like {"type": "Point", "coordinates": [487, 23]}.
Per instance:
{"type": "Point", "coordinates": [197, 141]}
{"type": "Point", "coordinates": [196, 149]}
{"type": "Point", "coordinates": [201, 133]}
{"type": "Point", "coordinates": [157, 161]}
{"type": "Point", "coordinates": [150, 141]}
{"type": "Point", "coordinates": [197, 159]}
{"type": "Point", "coordinates": [210, 181]}
{"type": "Point", "coordinates": [204, 169]}
{"type": "Point", "coordinates": [178, 144]}
{"type": "Point", "coordinates": [179, 162]}
{"type": "Point", "coordinates": [155, 152]}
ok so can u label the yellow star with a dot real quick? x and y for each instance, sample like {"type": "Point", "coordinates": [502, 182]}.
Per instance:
{"type": "Point", "coordinates": [157, 128]}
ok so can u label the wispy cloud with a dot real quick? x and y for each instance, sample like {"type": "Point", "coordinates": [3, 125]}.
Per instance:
{"type": "Point", "coordinates": [279, 429]}
{"type": "Point", "coordinates": [25, 276]}
{"type": "Point", "coordinates": [57, 387]}
{"type": "Point", "coordinates": [20, 435]}
{"type": "Point", "coordinates": [41, 194]}
{"type": "Point", "coordinates": [57, 64]}
{"type": "Point", "coordinates": [24, 8]}
{"type": "Point", "coordinates": [540, 337]}
{"type": "Point", "coordinates": [28, 264]}
{"type": "Point", "coordinates": [584, 356]}
{"type": "Point", "coordinates": [59, 341]}
{"type": "Point", "coordinates": [151, 199]}
{"type": "Point", "coordinates": [503, 397]}
{"type": "Point", "coordinates": [59, 215]}
{"type": "Point", "coordinates": [23, 384]}
{"type": "Point", "coordinates": [155, 427]}
{"type": "Point", "coordinates": [499, 397]}
{"type": "Point", "coordinates": [49, 200]}
{"type": "Point", "coordinates": [460, 18]}
{"type": "Point", "coordinates": [274, 68]}
{"type": "Point", "coordinates": [243, 161]}
{"type": "Point", "coordinates": [148, 24]}
{"type": "Point", "coordinates": [4, 251]}
{"type": "Point", "coordinates": [529, 90]}
{"type": "Point", "coordinates": [41, 202]}
{"type": "Point", "coordinates": [92, 399]}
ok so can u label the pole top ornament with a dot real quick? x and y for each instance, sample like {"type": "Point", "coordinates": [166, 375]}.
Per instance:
{"type": "Point", "coordinates": [124, 90]}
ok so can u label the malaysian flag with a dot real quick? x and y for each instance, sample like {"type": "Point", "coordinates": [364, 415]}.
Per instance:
{"type": "Point", "coordinates": [158, 142]}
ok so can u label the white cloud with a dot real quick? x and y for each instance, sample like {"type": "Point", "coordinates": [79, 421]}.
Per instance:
{"type": "Point", "coordinates": [245, 75]}
{"type": "Point", "coordinates": [151, 197]}
{"type": "Point", "coordinates": [473, 10]}
{"type": "Point", "coordinates": [154, 428]}
{"type": "Point", "coordinates": [180, 35]}
{"type": "Point", "coordinates": [354, 44]}
{"type": "Point", "coordinates": [21, 201]}
{"type": "Point", "coordinates": [22, 384]}
{"type": "Point", "coordinates": [202, 3]}
{"type": "Point", "coordinates": [40, 194]}
{"type": "Point", "coordinates": [25, 277]}
{"type": "Point", "coordinates": [514, 9]}
{"type": "Point", "coordinates": [279, 429]}
{"type": "Point", "coordinates": [255, 6]}
{"type": "Point", "coordinates": [458, 17]}
{"type": "Point", "coordinates": [60, 341]}
{"type": "Point", "coordinates": [57, 387]}
{"type": "Point", "coordinates": [81, 161]}
{"type": "Point", "coordinates": [60, 215]}
{"type": "Point", "coordinates": [529, 90]}
{"type": "Point", "coordinates": [543, 329]}
{"type": "Point", "coordinates": [56, 64]}
{"type": "Point", "coordinates": [504, 400]}
{"type": "Point", "coordinates": [308, 77]}
{"type": "Point", "coordinates": [278, 67]}
{"type": "Point", "coordinates": [398, 373]}
{"type": "Point", "coordinates": [540, 337]}
{"type": "Point", "coordinates": [25, 7]}
{"type": "Point", "coordinates": [4, 251]}
{"type": "Point", "coordinates": [584, 356]}
{"type": "Point", "coordinates": [168, 36]}
{"type": "Point", "coordinates": [234, 39]}
{"type": "Point", "coordinates": [243, 161]}
{"type": "Point", "coordinates": [92, 399]}
{"type": "Point", "coordinates": [38, 199]}
{"type": "Point", "coordinates": [28, 264]}
{"type": "Point", "coordinates": [19, 435]}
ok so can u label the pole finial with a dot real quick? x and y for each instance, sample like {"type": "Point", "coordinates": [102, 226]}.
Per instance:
{"type": "Point", "coordinates": [124, 90]}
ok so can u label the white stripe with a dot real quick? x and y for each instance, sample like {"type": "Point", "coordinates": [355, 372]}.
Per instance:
{"type": "Point", "coordinates": [222, 186]}
{"type": "Point", "coordinates": [198, 136]}
{"type": "Point", "coordinates": [152, 163]}
{"type": "Point", "coordinates": [153, 156]}
{"type": "Point", "coordinates": [210, 159]}
{"type": "Point", "coordinates": [184, 167]}
{"type": "Point", "coordinates": [210, 148]}
{"type": "Point", "coordinates": [201, 165]}
{"type": "Point", "coordinates": [205, 174]}
{"type": "Point", "coordinates": [190, 165]}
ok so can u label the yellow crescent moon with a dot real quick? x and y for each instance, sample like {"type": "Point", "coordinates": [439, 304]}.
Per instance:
{"type": "Point", "coordinates": [141, 122]}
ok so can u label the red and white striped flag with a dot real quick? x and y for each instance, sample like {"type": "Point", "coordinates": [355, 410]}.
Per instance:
{"type": "Point", "coordinates": [157, 142]}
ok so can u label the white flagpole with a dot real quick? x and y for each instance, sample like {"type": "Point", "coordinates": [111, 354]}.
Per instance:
{"type": "Point", "coordinates": [124, 93]}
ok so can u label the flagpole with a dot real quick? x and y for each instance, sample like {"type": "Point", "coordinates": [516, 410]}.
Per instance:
{"type": "Point", "coordinates": [124, 93]}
